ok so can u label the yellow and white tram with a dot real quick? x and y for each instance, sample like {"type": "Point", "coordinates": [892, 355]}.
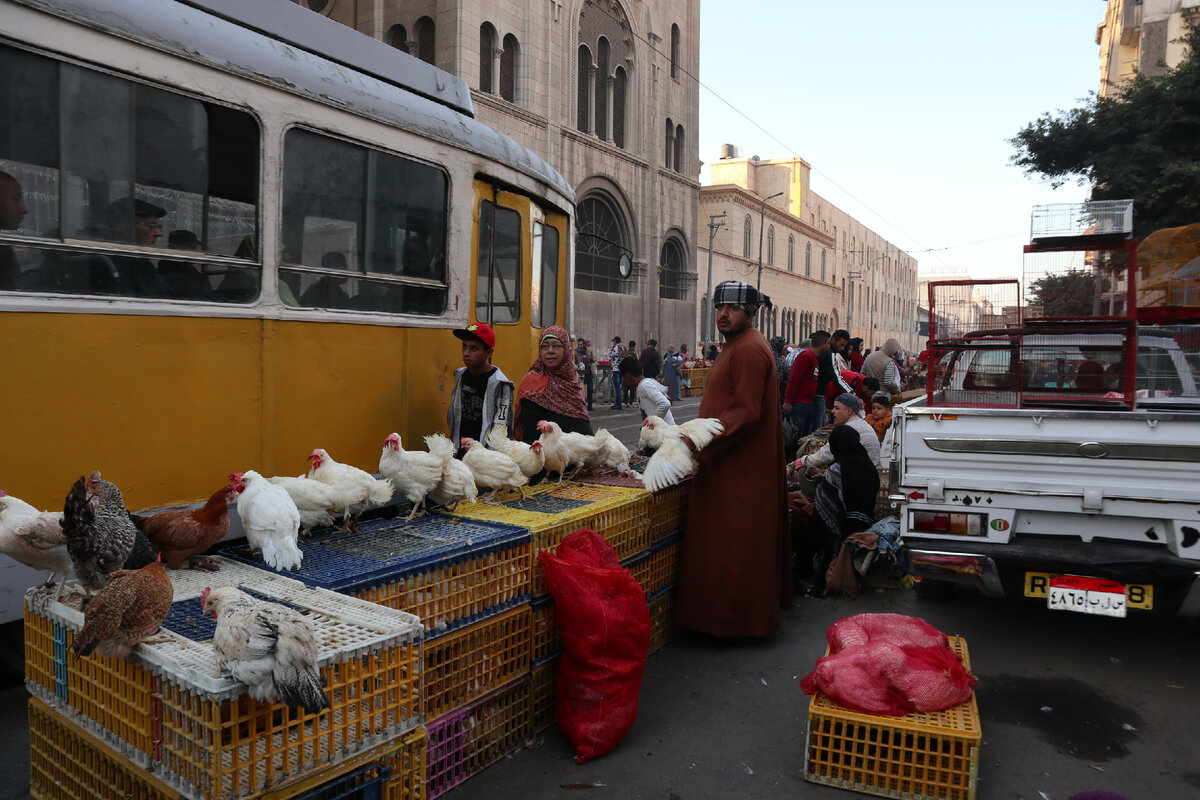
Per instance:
{"type": "Point", "coordinates": [227, 247]}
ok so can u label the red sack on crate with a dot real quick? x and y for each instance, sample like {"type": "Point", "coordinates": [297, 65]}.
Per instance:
{"type": "Point", "coordinates": [895, 628]}
{"type": "Point", "coordinates": [605, 624]}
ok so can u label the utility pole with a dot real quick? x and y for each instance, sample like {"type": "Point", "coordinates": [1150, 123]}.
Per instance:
{"type": "Point", "coordinates": [706, 316]}
{"type": "Point", "coordinates": [761, 216]}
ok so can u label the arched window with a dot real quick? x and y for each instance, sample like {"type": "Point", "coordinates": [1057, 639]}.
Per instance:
{"type": "Point", "coordinates": [620, 82]}
{"type": "Point", "coordinates": [397, 37]}
{"type": "Point", "coordinates": [672, 268]}
{"type": "Point", "coordinates": [601, 115]}
{"type": "Point", "coordinates": [601, 240]}
{"type": "Point", "coordinates": [791, 252]}
{"type": "Point", "coordinates": [584, 85]}
{"type": "Point", "coordinates": [808, 260]}
{"type": "Point", "coordinates": [679, 148]}
{"type": "Point", "coordinates": [669, 158]}
{"type": "Point", "coordinates": [674, 51]}
{"type": "Point", "coordinates": [771, 246]}
{"type": "Point", "coordinates": [746, 237]}
{"type": "Point", "coordinates": [509, 59]}
{"type": "Point", "coordinates": [425, 40]}
{"type": "Point", "coordinates": [487, 54]}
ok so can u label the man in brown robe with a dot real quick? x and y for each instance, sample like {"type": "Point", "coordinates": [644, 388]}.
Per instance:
{"type": "Point", "coordinates": [735, 575]}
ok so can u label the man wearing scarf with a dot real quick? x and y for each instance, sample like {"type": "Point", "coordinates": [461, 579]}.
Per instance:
{"type": "Point", "coordinates": [736, 554]}
{"type": "Point", "coordinates": [552, 390]}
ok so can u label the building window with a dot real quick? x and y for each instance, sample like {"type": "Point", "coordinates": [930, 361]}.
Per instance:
{"type": "Point", "coordinates": [397, 37]}
{"type": "Point", "coordinates": [674, 51]}
{"type": "Point", "coordinates": [672, 282]}
{"type": "Point", "coordinates": [808, 260]}
{"type": "Point", "coordinates": [679, 148]}
{"type": "Point", "coordinates": [498, 273]}
{"type": "Point", "coordinates": [601, 113]}
{"type": "Point", "coordinates": [669, 157]}
{"type": "Point", "coordinates": [600, 242]}
{"type": "Point", "coordinates": [791, 252]}
{"type": "Point", "coordinates": [508, 68]}
{"type": "Point", "coordinates": [605, 30]}
{"type": "Point", "coordinates": [771, 246]}
{"type": "Point", "coordinates": [619, 84]}
{"type": "Point", "coordinates": [425, 40]}
{"type": "Point", "coordinates": [487, 53]}
{"type": "Point", "coordinates": [584, 86]}
{"type": "Point", "coordinates": [822, 264]}
{"type": "Point", "coordinates": [746, 237]}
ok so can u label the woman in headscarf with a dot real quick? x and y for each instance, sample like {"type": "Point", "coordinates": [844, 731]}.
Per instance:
{"type": "Point", "coordinates": [846, 497]}
{"type": "Point", "coordinates": [672, 363]}
{"type": "Point", "coordinates": [552, 390]}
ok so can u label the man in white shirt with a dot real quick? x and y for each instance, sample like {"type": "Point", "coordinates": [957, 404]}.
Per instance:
{"type": "Point", "coordinates": [651, 395]}
{"type": "Point", "coordinates": [847, 409]}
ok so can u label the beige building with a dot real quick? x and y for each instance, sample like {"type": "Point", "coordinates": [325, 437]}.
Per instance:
{"type": "Point", "coordinates": [822, 269]}
{"type": "Point", "coordinates": [606, 92]}
{"type": "Point", "coordinates": [1140, 36]}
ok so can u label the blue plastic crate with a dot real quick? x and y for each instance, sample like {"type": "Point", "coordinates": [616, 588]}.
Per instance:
{"type": "Point", "coordinates": [380, 560]}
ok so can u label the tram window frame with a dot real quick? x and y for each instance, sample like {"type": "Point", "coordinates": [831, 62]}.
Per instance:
{"type": "Point", "coordinates": [543, 297]}
{"type": "Point", "coordinates": [497, 268]}
{"type": "Point", "coordinates": [362, 220]}
{"type": "Point", "coordinates": [170, 160]}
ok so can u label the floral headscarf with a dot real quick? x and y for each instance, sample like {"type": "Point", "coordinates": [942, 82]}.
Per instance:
{"type": "Point", "coordinates": [562, 392]}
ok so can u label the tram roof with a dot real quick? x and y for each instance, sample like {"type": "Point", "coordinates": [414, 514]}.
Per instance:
{"type": "Point", "coordinates": [280, 43]}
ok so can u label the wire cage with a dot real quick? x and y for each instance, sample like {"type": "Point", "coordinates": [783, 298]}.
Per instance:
{"type": "Point", "coordinates": [1098, 218]}
{"type": "Point", "coordinates": [959, 308]}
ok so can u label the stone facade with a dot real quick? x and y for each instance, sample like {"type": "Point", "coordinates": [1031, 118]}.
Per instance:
{"type": "Point", "coordinates": [1140, 36]}
{"type": "Point", "coordinates": [813, 255]}
{"type": "Point", "coordinates": [605, 91]}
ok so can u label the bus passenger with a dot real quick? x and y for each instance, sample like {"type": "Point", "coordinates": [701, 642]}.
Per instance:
{"type": "Point", "coordinates": [139, 222]}
{"type": "Point", "coordinates": [483, 395]}
{"type": "Point", "coordinates": [12, 211]}
{"type": "Point", "coordinates": [552, 390]}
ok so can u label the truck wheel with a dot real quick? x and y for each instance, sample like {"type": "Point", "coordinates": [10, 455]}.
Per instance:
{"type": "Point", "coordinates": [933, 590]}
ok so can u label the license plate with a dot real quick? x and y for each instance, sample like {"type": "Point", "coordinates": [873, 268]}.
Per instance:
{"type": "Point", "coordinates": [1088, 595]}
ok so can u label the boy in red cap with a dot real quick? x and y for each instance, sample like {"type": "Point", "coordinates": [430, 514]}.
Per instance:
{"type": "Point", "coordinates": [482, 396]}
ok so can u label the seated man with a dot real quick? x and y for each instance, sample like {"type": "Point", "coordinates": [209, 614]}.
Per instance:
{"type": "Point", "coordinates": [846, 411]}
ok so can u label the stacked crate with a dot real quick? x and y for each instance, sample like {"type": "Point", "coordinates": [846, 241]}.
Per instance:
{"type": "Point", "coordinates": [170, 710]}
{"type": "Point", "coordinates": [695, 378]}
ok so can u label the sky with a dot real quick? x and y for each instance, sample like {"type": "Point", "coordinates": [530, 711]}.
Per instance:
{"type": "Point", "coordinates": [903, 110]}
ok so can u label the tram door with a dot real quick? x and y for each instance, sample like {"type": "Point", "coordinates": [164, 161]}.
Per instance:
{"type": "Point", "coordinates": [520, 277]}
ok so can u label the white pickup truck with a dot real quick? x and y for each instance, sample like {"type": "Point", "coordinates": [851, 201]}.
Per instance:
{"type": "Point", "coordinates": [1080, 509]}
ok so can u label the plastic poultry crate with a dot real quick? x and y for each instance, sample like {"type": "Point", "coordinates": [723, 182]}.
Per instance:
{"type": "Point", "coordinates": [171, 709]}
{"type": "Point", "coordinates": [467, 663]}
{"type": "Point", "coordinates": [551, 511]}
{"type": "Point", "coordinates": [542, 688]}
{"type": "Point", "coordinates": [662, 618]}
{"type": "Point", "coordinates": [545, 638]}
{"type": "Point", "coordinates": [67, 762]}
{"type": "Point", "coordinates": [449, 571]}
{"type": "Point", "coordinates": [465, 742]}
{"type": "Point", "coordinates": [930, 755]}
{"type": "Point", "coordinates": [662, 565]}
{"type": "Point", "coordinates": [667, 507]}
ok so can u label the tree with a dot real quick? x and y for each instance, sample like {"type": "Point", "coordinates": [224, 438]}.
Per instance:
{"type": "Point", "coordinates": [1067, 294]}
{"type": "Point", "coordinates": [1143, 143]}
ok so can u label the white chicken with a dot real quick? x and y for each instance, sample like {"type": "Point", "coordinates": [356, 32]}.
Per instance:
{"type": "Point", "coordinates": [555, 450]}
{"type": "Point", "coordinates": [414, 474]}
{"type": "Point", "coordinates": [492, 468]}
{"type": "Point", "coordinates": [457, 483]}
{"type": "Point", "coordinates": [270, 519]}
{"type": "Point", "coordinates": [34, 538]}
{"type": "Point", "coordinates": [585, 451]}
{"type": "Point", "coordinates": [267, 646]}
{"type": "Point", "coordinates": [354, 489]}
{"type": "Point", "coordinates": [613, 453]}
{"type": "Point", "coordinates": [529, 457]}
{"type": "Point", "coordinates": [314, 500]}
{"type": "Point", "coordinates": [672, 460]}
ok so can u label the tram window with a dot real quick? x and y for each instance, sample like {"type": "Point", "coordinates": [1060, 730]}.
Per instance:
{"type": "Point", "coordinates": [544, 292]}
{"type": "Point", "coordinates": [138, 166]}
{"type": "Point", "coordinates": [367, 227]}
{"type": "Point", "coordinates": [498, 282]}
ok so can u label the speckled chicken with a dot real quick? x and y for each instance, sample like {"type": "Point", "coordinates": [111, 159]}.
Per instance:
{"type": "Point", "coordinates": [99, 531]}
{"type": "Point", "coordinates": [269, 647]}
{"type": "Point", "coordinates": [34, 538]}
{"type": "Point", "coordinates": [128, 610]}
{"type": "Point", "coordinates": [180, 534]}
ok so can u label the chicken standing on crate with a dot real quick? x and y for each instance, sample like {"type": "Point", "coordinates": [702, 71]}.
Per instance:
{"type": "Point", "coordinates": [128, 610]}
{"type": "Point", "coordinates": [314, 500]}
{"type": "Point", "coordinates": [100, 533]}
{"type": "Point", "coordinates": [613, 454]}
{"type": "Point", "coordinates": [414, 473]}
{"type": "Point", "coordinates": [270, 519]}
{"type": "Point", "coordinates": [673, 460]}
{"type": "Point", "coordinates": [529, 457]}
{"type": "Point", "coordinates": [267, 646]}
{"type": "Point", "coordinates": [34, 538]}
{"type": "Point", "coordinates": [492, 468]}
{"type": "Point", "coordinates": [457, 483]}
{"type": "Point", "coordinates": [182, 534]}
{"type": "Point", "coordinates": [557, 454]}
{"type": "Point", "coordinates": [355, 490]}
{"type": "Point", "coordinates": [584, 451]}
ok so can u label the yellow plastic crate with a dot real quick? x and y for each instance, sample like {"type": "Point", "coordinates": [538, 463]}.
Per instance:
{"type": "Point", "coordinates": [551, 511]}
{"type": "Point", "coordinates": [467, 663]}
{"type": "Point", "coordinates": [542, 690]}
{"type": "Point", "coordinates": [66, 762]}
{"type": "Point", "coordinates": [639, 568]}
{"type": "Point", "coordinates": [662, 567]}
{"type": "Point", "coordinates": [170, 708]}
{"type": "Point", "coordinates": [667, 507]}
{"type": "Point", "coordinates": [465, 742]}
{"type": "Point", "coordinates": [662, 618]}
{"type": "Point", "coordinates": [931, 755]}
{"type": "Point", "coordinates": [544, 635]}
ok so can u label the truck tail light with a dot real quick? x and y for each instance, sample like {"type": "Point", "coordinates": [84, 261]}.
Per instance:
{"type": "Point", "coordinates": [953, 523]}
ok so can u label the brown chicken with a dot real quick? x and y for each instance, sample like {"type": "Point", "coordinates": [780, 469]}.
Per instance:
{"type": "Point", "coordinates": [180, 534]}
{"type": "Point", "coordinates": [128, 610]}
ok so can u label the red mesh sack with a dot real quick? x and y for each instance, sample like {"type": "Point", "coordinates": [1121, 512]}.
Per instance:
{"type": "Point", "coordinates": [895, 628]}
{"type": "Point", "coordinates": [930, 678]}
{"type": "Point", "coordinates": [605, 625]}
{"type": "Point", "coordinates": [852, 679]}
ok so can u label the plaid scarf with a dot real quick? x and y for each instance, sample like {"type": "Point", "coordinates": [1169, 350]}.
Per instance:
{"type": "Point", "coordinates": [740, 294]}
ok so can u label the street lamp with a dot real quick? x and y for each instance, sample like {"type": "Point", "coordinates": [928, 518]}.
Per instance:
{"type": "Point", "coordinates": [761, 215]}
{"type": "Point", "coordinates": [706, 316]}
